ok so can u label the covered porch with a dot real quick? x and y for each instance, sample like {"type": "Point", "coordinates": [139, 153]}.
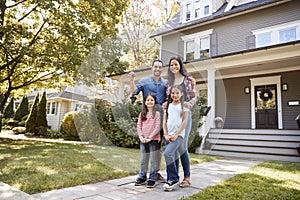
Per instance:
{"type": "Point", "coordinates": [233, 83]}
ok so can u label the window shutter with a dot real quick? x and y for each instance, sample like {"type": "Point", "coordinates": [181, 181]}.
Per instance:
{"type": "Point", "coordinates": [213, 45]}
{"type": "Point", "coordinates": [251, 42]}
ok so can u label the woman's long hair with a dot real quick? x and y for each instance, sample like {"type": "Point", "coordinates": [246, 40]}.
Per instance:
{"type": "Point", "coordinates": [145, 108]}
{"type": "Point", "coordinates": [182, 70]}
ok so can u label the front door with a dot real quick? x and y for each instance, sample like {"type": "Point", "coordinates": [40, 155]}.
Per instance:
{"type": "Point", "coordinates": [266, 107]}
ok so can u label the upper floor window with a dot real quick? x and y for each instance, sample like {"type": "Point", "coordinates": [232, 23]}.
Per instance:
{"type": "Point", "coordinates": [195, 9]}
{"type": "Point", "coordinates": [197, 45]}
{"type": "Point", "coordinates": [277, 34]}
{"type": "Point", "coordinates": [188, 12]}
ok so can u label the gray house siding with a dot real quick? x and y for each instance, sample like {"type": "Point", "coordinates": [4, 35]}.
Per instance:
{"type": "Point", "coordinates": [232, 34]}
{"type": "Point", "coordinates": [171, 45]}
{"type": "Point", "coordinates": [235, 104]}
{"type": "Point", "coordinates": [290, 112]}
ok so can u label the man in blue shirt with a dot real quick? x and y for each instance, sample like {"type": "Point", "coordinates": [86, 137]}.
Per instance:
{"type": "Point", "coordinates": [153, 84]}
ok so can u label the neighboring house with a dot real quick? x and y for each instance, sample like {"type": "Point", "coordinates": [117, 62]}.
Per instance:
{"type": "Point", "coordinates": [59, 103]}
{"type": "Point", "coordinates": [245, 56]}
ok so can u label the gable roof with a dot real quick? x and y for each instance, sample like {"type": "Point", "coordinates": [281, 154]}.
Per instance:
{"type": "Point", "coordinates": [64, 95]}
{"type": "Point", "coordinates": [175, 25]}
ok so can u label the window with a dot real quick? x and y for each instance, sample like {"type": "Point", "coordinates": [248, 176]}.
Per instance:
{"type": "Point", "coordinates": [197, 12]}
{"type": "Point", "coordinates": [52, 108]}
{"type": "Point", "coordinates": [188, 12]}
{"type": "Point", "coordinates": [206, 10]}
{"type": "Point", "coordinates": [204, 47]}
{"type": "Point", "coordinates": [263, 39]}
{"type": "Point", "coordinates": [197, 45]}
{"type": "Point", "coordinates": [190, 50]}
{"type": "Point", "coordinates": [287, 35]}
{"type": "Point", "coordinates": [277, 34]}
{"type": "Point", "coordinates": [196, 9]}
{"type": "Point", "coordinates": [78, 107]}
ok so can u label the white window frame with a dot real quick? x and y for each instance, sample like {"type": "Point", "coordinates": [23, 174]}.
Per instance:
{"type": "Point", "coordinates": [52, 110]}
{"type": "Point", "coordinates": [196, 4]}
{"type": "Point", "coordinates": [274, 32]}
{"type": "Point", "coordinates": [196, 38]}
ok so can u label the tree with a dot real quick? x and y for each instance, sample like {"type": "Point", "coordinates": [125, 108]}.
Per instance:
{"type": "Point", "coordinates": [22, 110]}
{"type": "Point", "coordinates": [103, 60]}
{"type": "Point", "coordinates": [167, 9]}
{"type": "Point", "coordinates": [9, 110]}
{"type": "Point", "coordinates": [41, 117]}
{"type": "Point", "coordinates": [30, 123]}
{"type": "Point", "coordinates": [137, 26]}
{"type": "Point", "coordinates": [43, 43]}
{"type": "Point", "coordinates": [140, 20]}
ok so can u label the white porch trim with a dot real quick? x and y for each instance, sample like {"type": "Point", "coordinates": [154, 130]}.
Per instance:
{"type": "Point", "coordinates": [211, 95]}
{"type": "Point", "coordinates": [276, 80]}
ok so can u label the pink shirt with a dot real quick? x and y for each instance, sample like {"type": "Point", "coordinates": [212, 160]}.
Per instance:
{"type": "Point", "coordinates": [150, 128]}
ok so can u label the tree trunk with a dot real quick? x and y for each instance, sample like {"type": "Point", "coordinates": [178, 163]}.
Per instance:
{"type": "Point", "coordinates": [4, 100]}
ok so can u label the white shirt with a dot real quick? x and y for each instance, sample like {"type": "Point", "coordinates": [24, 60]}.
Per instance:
{"type": "Point", "coordinates": [174, 119]}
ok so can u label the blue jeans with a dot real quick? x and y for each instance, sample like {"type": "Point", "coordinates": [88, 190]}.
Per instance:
{"type": "Point", "coordinates": [149, 151]}
{"type": "Point", "coordinates": [183, 151]}
{"type": "Point", "coordinates": [171, 155]}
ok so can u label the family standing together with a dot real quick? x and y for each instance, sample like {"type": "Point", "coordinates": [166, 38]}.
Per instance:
{"type": "Point", "coordinates": [166, 115]}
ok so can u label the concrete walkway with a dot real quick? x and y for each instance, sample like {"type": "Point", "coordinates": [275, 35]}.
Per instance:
{"type": "Point", "coordinates": [202, 176]}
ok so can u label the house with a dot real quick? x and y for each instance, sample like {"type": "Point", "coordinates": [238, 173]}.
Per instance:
{"type": "Point", "coordinates": [245, 57]}
{"type": "Point", "coordinates": [69, 99]}
{"type": "Point", "coordinates": [59, 103]}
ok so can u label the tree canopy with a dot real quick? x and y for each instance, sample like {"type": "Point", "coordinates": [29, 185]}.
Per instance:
{"type": "Point", "coordinates": [140, 20]}
{"type": "Point", "coordinates": [43, 43]}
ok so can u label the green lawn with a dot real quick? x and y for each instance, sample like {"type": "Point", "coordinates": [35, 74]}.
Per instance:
{"type": "Point", "coordinates": [266, 181]}
{"type": "Point", "coordinates": [35, 167]}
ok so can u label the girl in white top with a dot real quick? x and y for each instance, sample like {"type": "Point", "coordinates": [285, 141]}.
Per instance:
{"type": "Point", "coordinates": [175, 120]}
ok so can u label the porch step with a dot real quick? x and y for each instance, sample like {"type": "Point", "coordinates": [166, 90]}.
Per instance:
{"type": "Point", "coordinates": [278, 145]}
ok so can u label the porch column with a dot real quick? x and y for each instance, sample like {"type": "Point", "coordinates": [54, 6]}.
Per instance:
{"type": "Point", "coordinates": [211, 95]}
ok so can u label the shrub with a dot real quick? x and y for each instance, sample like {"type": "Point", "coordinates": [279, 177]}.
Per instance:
{"type": "Point", "coordinates": [19, 130]}
{"type": "Point", "coordinates": [13, 123]}
{"type": "Point", "coordinates": [122, 128]}
{"type": "Point", "coordinates": [41, 117]}
{"type": "Point", "coordinates": [197, 114]}
{"type": "Point", "coordinates": [30, 124]}
{"type": "Point", "coordinates": [68, 128]}
{"type": "Point", "coordinates": [9, 110]}
{"type": "Point", "coordinates": [88, 127]}
{"type": "Point", "coordinates": [83, 125]}
{"type": "Point", "coordinates": [22, 110]}
{"type": "Point", "coordinates": [53, 134]}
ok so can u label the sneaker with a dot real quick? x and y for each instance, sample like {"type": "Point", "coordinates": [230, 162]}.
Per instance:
{"type": "Point", "coordinates": [169, 186]}
{"type": "Point", "coordinates": [139, 181]}
{"type": "Point", "coordinates": [160, 178]}
{"type": "Point", "coordinates": [151, 184]}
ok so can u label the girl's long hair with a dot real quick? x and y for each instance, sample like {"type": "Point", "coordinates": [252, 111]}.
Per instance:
{"type": "Point", "coordinates": [182, 70]}
{"type": "Point", "coordinates": [145, 108]}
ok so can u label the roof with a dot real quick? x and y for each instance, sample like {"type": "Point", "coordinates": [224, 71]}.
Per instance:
{"type": "Point", "coordinates": [65, 95]}
{"type": "Point", "coordinates": [175, 24]}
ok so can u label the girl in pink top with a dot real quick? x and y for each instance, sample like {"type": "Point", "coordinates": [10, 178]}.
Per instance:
{"type": "Point", "coordinates": [148, 127]}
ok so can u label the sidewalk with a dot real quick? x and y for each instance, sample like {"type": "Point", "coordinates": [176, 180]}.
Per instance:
{"type": "Point", "coordinates": [202, 176]}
